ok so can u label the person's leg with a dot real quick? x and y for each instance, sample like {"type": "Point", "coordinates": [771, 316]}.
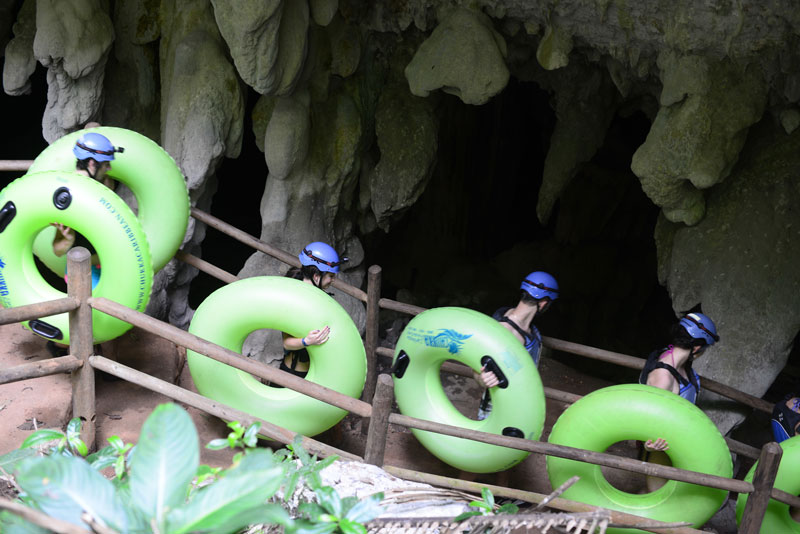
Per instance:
{"type": "Point", "coordinates": [660, 458]}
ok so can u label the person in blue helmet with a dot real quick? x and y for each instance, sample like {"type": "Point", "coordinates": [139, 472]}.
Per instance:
{"type": "Point", "coordinates": [94, 154]}
{"type": "Point", "coordinates": [319, 265]}
{"type": "Point", "coordinates": [670, 368]}
{"type": "Point", "coordinates": [537, 292]}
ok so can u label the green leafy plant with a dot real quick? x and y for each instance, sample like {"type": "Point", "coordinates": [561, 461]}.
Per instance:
{"type": "Point", "coordinates": [308, 471]}
{"type": "Point", "coordinates": [68, 444]}
{"type": "Point", "coordinates": [487, 507]}
{"type": "Point", "coordinates": [157, 484]}
{"type": "Point", "coordinates": [332, 513]}
{"type": "Point", "coordinates": [154, 495]}
{"type": "Point", "coordinates": [246, 438]}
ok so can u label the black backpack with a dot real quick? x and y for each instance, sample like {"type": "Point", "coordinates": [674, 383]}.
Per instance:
{"type": "Point", "coordinates": [654, 363]}
{"type": "Point", "coordinates": [785, 418]}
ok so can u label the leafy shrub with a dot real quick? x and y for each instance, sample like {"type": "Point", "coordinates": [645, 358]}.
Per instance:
{"type": "Point", "coordinates": [157, 484]}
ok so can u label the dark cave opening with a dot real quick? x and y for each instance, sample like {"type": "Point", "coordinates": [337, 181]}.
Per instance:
{"type": "Point", "coordinates": [474, 234]}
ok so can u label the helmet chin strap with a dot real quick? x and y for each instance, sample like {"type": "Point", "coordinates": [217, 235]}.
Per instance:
{"type": "Point", "coordinates": [96, 168]}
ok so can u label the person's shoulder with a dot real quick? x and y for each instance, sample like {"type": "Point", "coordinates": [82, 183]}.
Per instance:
{"type": "Point", "coordinates": [500, 312]}
{"type": "Point", "coordinates": [660, 378]}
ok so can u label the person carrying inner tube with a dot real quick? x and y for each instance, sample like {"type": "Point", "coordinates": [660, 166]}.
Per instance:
{"type": "Point", "coordinates": [94, 154]}
{"type": "Point", "coordinates": [670, 368]}
{"type": "Point", "coordinates": [319, 266]}
{"type": "Point", "coordinates": [537, 291]}
{"type": "Point", "coordinates": [786, 418]}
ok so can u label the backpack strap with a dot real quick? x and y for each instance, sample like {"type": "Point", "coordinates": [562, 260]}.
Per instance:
{"type": "Point", "coordinates": [525, 335]}
{"type": "Point", "coordinates": [674, 372]}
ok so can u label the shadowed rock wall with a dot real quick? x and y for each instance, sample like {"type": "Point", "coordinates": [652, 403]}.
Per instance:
{"type": "Point", "coordinates": [347, 100]}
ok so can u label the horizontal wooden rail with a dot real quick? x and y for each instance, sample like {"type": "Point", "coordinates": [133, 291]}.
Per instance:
{"type": "Point", "coordinates": [217, 409]}
{"type": "Point", "coordinates": [402, 307]}
{"type": "Point", "coordinates": [15, 164]}
{"type": "Point", "coordinates": [558, 503]}
{"type": "Point", "coordinates": [571, 453]}
{"type": "Point", "coordinates": [269, 250]}
{"type": "Point", "coordinates": [206, 267]}
{"type": "Point", "coordinates": [228, 357]}
{"type": "Point", "coordinates": [39, 309]}
{"type": "Point", "coordinates": [63, 364]}
{"type": "Point", "coordinates": [569, 398]}
{"type": "Point", "coordinates": [638, 363]}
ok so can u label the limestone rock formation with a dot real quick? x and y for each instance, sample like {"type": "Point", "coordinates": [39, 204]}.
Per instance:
{"type": "Point", "coordinates": [706, 109]}
{"type": "Point", "coordinates": [463, 56]}
{"type": "Point", "coordinates": [740, 264]}
{"type": "Point", "coordinates": [202, 112]}
{"type": "Point", "coordinates": [73, 40]}
{"type": "Point", "coordinates": [347, 100]}
{"type": "Point", "coordinates": [19, 59]}
{"type": "Point", "coordinates": [267, 40]}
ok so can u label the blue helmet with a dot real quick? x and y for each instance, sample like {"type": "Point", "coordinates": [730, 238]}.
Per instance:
{"type": "Point", "coordinates": [539, 285]}
{"type": "Point", "coordinates": [321, 255]}
{"type": "Point", "coordinates": [700, 326]}
{"type": "Point", "coordinates": [96, 146]}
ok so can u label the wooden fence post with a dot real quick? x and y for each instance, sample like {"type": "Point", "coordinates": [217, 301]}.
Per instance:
{"type": "Point", "coordinates": [371, 335]}
{"type": "Point", "coordinates": [81, 342]}
{"type": "Point", "coordinates": [379, 422]}
{"type": "Point", "coordinates": [763, 480]}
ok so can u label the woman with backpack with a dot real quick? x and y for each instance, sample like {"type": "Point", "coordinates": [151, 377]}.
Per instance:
{"type": "Point", "coordinates": [319, 265]}
{"type": "Point", "coordinates": [670, 368]}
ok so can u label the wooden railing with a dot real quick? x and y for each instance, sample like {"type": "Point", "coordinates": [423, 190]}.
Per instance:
{"type": "Point", "coordinates": [81, 362]}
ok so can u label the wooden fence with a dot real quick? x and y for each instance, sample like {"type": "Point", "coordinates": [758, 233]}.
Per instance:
{"type": "Point", "coordinates": [379, 390]}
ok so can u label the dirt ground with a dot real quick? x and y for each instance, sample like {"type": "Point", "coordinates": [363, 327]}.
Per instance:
{"type": "Point", "coordinates": [122, 408]}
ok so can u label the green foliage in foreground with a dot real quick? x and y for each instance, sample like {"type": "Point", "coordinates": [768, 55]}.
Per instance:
{"type": "Point", "coordinates": [159, 486]}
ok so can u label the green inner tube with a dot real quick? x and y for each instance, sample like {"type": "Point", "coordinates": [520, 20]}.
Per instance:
{"type": "Point", "coordinates": [466, 336]}
{"type": "Point", "coordinates": [150, 173]}
{"type": "Point", "coordinates": [638, 412]}
{"type": "Point", "coordinates": [31, 203]}
{"type": "Point", "coordinates": [777, 518]}
{"type": "Point", "coordinates": [236, 310]}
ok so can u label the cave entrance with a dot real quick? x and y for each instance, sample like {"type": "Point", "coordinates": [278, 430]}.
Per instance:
{"type": "Point", "coordinates": [473, 234]}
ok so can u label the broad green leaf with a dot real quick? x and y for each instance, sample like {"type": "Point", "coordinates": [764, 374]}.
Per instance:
{"type": "Point", "coordinates": [9, 462]}
{"type": "Point", "coordinates": [508, 508]}
{"type": "Point", "coordinates": [269, 513]}
{"type": "Point", "coordinates": [14, 524]}
{"type": "Point", "coordinates": [41, 436]}
{"type": "Point", "coordinates": [250, 438]}
{"type": "Point", "coordinates": [463, 516]}
{"type": "Point", "coordinates": [351, 527]}
{"type": "Point", "coordinates": [480, 504]}
{"type": "Point", "coordinates": [488, 498]}
{"type": "Point", "coordinates": [223, 501]}
{"type": "Point", "coordinates": [120, 446]}
{"type": "Point", "coordinates": [103, 458]}
{"type": "Point", "coordinates": [218, 444]}
{"type": "Point", "coordinates": [366, 509]}
{"type": "Point", "coordinates": [308, 527]}
{"type": "Point", "coordinates": [311, 510]}
{"type": "Point", "coordinates": [66, 487]}
{"type": "Point", "coordinates": [329, 499]}
{"type": "Point", "coordinates": [164, 462]}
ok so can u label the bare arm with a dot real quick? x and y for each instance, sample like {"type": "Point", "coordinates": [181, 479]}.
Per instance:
{"type": "Point", "coordinates": [64, 239]}
{"type": "Point", "coordinates": [314, 337]}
